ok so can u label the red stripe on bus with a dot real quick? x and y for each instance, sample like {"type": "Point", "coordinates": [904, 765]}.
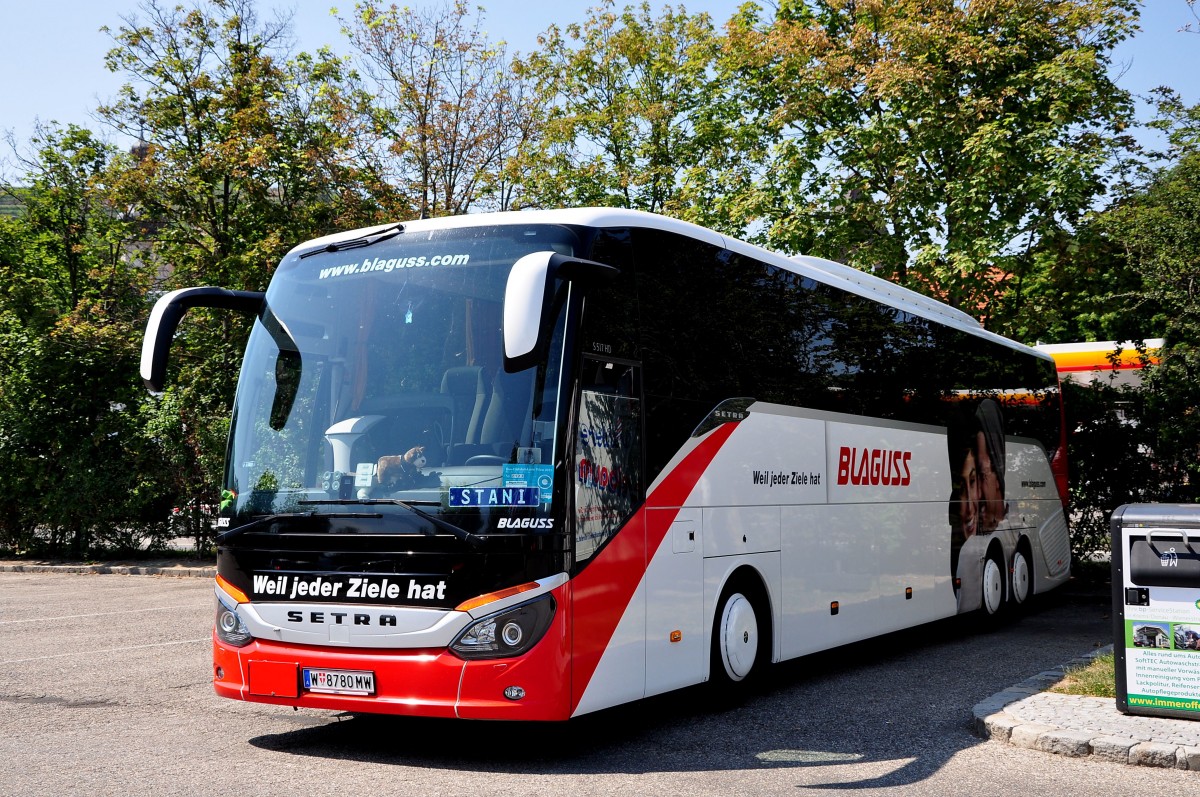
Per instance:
{"type": "Point", "coordinates": [602, 591]}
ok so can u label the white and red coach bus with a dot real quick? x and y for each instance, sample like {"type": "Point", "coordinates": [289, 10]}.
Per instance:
{"type": "Point", "coordinates": [531, 465]}
{"type": "Point", "coordinates": [1113, 362]}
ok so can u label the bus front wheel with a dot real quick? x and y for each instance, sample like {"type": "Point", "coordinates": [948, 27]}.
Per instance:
{"type": "Point", "coordinates": [737, 638]}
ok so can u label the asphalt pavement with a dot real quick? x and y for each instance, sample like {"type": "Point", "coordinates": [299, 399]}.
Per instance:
{"type": "Point", "coordinates": [1024, 715]}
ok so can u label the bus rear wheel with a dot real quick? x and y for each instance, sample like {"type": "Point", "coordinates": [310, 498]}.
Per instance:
{"type": "Point", "coordinates": [1020, 577]}
{"type": "Point", "coordinates": [737, 638]}
{"type": "Point", "coordinates": [993, 585]}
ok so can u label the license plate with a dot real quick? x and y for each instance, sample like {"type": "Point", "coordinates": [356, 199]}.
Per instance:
{"type": "Point", "coordinates": [339, 682]}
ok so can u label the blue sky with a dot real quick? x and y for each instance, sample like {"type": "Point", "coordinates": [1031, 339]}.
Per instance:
{"type": "Point", "coordinates": [52, 53]}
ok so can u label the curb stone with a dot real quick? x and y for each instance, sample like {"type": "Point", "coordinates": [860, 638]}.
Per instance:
{"type": "Point", "coordinates": [198, 571]}
{"type": "Point", "coordinates": [1154, 754]}
{"type": "Point", "coordinates": [1112, 748]}
{"type": "Point", "coordinates": [1069, 726]}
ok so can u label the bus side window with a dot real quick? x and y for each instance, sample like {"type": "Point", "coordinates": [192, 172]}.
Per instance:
{"type": "Point", "coordinates": [608, 452]}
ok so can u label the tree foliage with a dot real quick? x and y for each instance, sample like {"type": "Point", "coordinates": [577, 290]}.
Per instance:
{"type": "Point", "coordinates": [70, 314]}
{"type": "Point", "coordinates": [238, 161]}
{"type": "Point", "coordinates": [1159, 231]}
{"type": "Point", "coordinates": [1109, 441]}
{"type": "Point", "coordinates": [936, 142]}
{"type": "Point", "coordinates": [964, 149]}
{"type": "Point", "coordinates": [442, 108]}
{"type": "Point", "coordinates": [628, 111]}
{"type": "Point", "coordinates": [1143, 444]}
{"type": "Point", "coordinates": [234, 163]}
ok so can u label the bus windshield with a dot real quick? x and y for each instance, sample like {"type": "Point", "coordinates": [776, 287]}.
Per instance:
{"type": "Point", "coordinates": [375, 374]}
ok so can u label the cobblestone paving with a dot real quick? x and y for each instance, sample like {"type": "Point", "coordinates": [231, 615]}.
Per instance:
{"type": "Point", "coordinates": [1073, 725]}
{"type": "Point", "coordinates": [1100, 716]}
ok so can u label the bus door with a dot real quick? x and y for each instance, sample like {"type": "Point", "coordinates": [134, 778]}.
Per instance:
{"type": "Point", "coordinates": [607, 489]}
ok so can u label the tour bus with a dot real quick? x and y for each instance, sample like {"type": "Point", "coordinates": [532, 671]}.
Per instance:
{"type": "Point", "coordinates": [532, 465]}
{"type": "Point", "coordinates": [1117, 363]}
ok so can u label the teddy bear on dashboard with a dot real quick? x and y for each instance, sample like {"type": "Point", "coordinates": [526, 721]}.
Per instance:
{"type": "Point", "coordinates": [405, 472]}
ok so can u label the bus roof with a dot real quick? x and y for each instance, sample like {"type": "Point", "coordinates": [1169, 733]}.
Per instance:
{"type": "Point", "coordinates": [896, 294]}
{"type": "Point", "coordinates": [829, 272]}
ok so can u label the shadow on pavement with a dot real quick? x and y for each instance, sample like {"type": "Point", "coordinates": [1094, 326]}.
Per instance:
{"type": "Point", "coordinates": [900, 704]}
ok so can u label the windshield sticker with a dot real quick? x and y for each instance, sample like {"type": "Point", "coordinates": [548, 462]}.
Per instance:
{"type": "Point", "coordinates": [389, 264]}
{"type": "Point", "coordinates": [539, 476]}
{"type": "Point", "coordinates": [495, 496]}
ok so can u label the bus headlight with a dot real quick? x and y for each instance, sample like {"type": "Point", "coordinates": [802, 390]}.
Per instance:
{"type": "Point", "coordinates": [230, 628]}
{"type": "Point", "coordinates": [506, 633]}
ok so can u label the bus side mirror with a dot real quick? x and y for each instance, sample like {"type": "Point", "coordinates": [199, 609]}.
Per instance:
{"type": "Point", "coordinates": [165, 316]}
{"type": "Point", "coordinates": [528, 299]}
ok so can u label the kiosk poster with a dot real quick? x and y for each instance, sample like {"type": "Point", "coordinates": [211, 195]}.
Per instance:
{"type": "Point", "coordinates": [1162, 665]}
{"type": "Point", "coordinates": [1161, 605]}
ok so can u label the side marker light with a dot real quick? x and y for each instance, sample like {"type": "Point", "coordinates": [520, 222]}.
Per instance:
{"type": "Point", "coordinates": [492, 597]}
{"type": "Point", "coordinates": [231, 590]}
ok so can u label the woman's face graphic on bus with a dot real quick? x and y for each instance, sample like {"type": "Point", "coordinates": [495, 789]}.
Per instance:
{"type": "Point", "coordinates": [991, 494]}
{"type": "Point", "coordinates": [968, 496]}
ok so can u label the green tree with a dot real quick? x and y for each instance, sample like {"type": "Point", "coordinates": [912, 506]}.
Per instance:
{"type": "Point", "coordinates": [935, 142]}
{"type": "Point", "coordinates": [631, 114]}
{"type": "Point", "coordinates": [234, 164]}
{"type": "Point", "coordinates": [1078, 285]}
{"type": "Point", "coordinates": [79, 473]}
{"type": "Point", "coordinates": [1141, 259]}
{"type": "Point", "coordinates": [1159, 233]}
{"type": "Point", "coordinates": [244, 154]}
{"type": "Point", "coordinates": [441, 104]}
{"type": "Point", "coordinates": [1108, 444]}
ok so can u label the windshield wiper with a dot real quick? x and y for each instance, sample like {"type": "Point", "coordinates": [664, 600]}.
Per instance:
{"type": "Point", "coordinates": [267, 519]}
{"type": "Point", "coordinates": [357, 243]}
{"type": "Point", "coordinates": [257, 522]}
{"type": "Point", "coordinates": [468, 537]}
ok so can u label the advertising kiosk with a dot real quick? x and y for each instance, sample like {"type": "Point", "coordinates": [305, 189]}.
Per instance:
{"type": "Point", "coordinates": [1156, 609]}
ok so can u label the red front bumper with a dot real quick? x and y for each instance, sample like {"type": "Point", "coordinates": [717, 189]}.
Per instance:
{"type": "Point", "coordinates": [422, 683]}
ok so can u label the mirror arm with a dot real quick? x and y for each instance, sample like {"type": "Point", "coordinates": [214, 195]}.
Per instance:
{"type": "Point", "coordinates": [529, 293]}
{"type": "Point", "coordinates": [165, 317]}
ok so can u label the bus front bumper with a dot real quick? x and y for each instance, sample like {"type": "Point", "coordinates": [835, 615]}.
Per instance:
{"type": "Point", "coordinates": [419, 683]}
